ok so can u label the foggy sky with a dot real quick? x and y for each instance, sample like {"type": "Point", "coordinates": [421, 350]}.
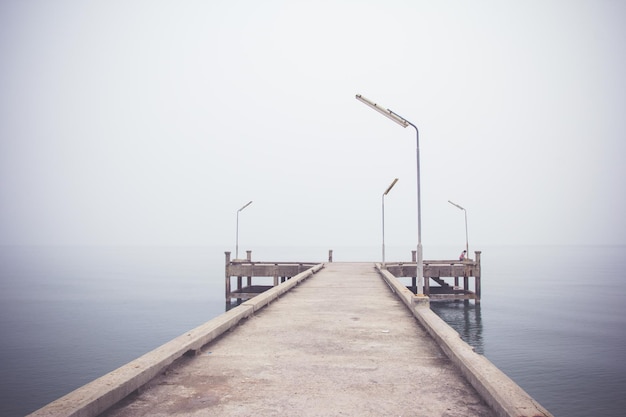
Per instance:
{"type": "Point", "coordinates": [153, 122]}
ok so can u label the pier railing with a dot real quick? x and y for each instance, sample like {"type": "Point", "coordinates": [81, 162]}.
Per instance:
{"type": "Point", "coordinates": [438, 271]}
{"type": "Point", "coordinates": [447, 274]}
{"type": "Point", "coordinates": [240, 268]}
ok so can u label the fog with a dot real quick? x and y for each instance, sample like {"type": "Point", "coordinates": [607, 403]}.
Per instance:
{"type": "Point", "coordinates": [154, 122]}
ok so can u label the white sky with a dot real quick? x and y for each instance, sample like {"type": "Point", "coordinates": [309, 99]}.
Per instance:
{"type": "Point", "coordinates": [152, 122]}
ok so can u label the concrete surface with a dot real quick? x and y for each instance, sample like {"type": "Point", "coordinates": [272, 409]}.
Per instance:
{"type": "Point", "coordinates": [339, 343]}
{"type": "Point", "coordinates": [502, 394]}
{"type": "Point", "coordinates": [97, 396]}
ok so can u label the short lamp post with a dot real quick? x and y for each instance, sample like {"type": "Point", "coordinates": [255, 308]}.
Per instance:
{"type": "Point", "coordinates": [466, 238]}
{"type": "Point", "coordinates": [237, 238]}
{"type": "Point", "coordinates": [383, 198]}
{"type": "Point", "coordinates": [404, 123]}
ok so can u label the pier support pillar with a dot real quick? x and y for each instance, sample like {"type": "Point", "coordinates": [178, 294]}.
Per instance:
{"type": "Point", "coordinates": [227, 279]}
{"type": "Point", "coordinates": [414, 279]}
{"type": "Point", "coordinates": [249, 258]}
{"type": "Point", "coordinates": [477, 276]}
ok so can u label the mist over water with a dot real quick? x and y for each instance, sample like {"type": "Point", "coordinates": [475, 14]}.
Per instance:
{"type": "Point", "coordinates": [156, 132]}
{"type": "Point", "coordinates": [71, 314]}
{"type": "Point", "coordinates": [551, 317]}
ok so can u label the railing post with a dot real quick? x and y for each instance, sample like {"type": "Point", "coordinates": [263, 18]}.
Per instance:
{"type": "Point", "coordinates": [414, 279]}
{"type": "Point", "coordinates": [477, 276]}
{"type": "Point", "coordinates": [227, 278]}
{"type": "Point", "coordinates": [249, 258]}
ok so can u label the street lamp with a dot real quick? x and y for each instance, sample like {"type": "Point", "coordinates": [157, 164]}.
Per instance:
{"type": "Point", "coordinates": [383, 198]}
{"type": "Point", "coordinates": [466, 239]}
{"type": "Point", "coordinates": [404, 123]}
{"type": "Point", "coordinates": [237, 241]}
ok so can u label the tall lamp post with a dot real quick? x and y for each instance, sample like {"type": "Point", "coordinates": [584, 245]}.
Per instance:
{"type": "Point", "coordinates": [237, 241]}
{"type": "Point", "coordinates": [466, 239]}
{"type": "Point", "coordinates": [383, 198]}
{"type": "Point", "coordinates": [404, 123]}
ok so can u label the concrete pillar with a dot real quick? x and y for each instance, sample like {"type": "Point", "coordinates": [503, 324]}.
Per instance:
{"type": "Point", "coordinates": [248, 279]}
{"type": "Point", "coordinates": [477, 275]}
{"type": "Point", "coordinates": [227, 278]}
{"type": "Point", "coordinates": [414, 279]}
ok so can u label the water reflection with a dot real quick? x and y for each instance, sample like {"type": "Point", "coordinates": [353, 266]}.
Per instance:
{"type": "Point", "coordinates": [464, 317]}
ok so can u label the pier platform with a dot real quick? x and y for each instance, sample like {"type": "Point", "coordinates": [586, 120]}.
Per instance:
{"type": "Point", "coordinates": [338, 339]}
{"type": "Point", "coordinates": [441, 272]}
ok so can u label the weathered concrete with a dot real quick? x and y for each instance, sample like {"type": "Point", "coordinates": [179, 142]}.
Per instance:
{"type": "Point", "coordinates": [338, 344]}
{"type": "Point", "coordinates": [97, 396]}
{"type": "Point", "coordinates": [504, 396]}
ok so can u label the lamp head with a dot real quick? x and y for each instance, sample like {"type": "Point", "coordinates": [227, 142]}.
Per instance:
{"type": "Point", "coordinates": [249, 202]}
{"type": "Point", "coordinates": [391, 186]}
{"type": "Point", "coordinates": [386, 112]}
{"type": "Point", "coordinates": [456, 205]}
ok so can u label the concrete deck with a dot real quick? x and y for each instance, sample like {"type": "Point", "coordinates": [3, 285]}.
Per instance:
{"type": "Point", "coordinates": [339, 343]}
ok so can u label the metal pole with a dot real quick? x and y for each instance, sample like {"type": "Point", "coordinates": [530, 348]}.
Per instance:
{"type": "Point", "coordinates": [466, 238]}
{"type": "Point", "coordinates": [383, 198]}
{"type": "Point", "coordinates": [237, 238]}
{"type": "Point", "coordinates": [466, 234]}
{"type": "Point", "coordinates": [420, 257]}
{"type": "Point", "coordinates": [404, 123]}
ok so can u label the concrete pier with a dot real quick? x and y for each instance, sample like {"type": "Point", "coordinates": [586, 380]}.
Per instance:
{"type": "Point", "coordinates": [340, 343]}
{"type": "Point", "coordinates": [344, 341]}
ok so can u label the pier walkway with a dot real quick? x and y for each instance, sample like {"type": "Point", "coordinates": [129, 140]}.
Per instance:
{"type": "Point", "coordinates": [339, 343]}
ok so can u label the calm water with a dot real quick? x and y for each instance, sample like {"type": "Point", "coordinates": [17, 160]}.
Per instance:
{"type": "Point", "coordinates": [552, 318]}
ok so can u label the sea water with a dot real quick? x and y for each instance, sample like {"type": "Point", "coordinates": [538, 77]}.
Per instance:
{"type": "Point", "coordinates": [551, 317]}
